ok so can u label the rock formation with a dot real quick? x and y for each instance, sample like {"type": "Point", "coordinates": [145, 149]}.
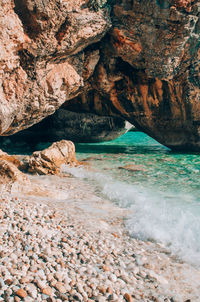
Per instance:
{"type": "Point", "coordinates": [77, 127]}
{"type": "Point", "coordinates": [49, 160]}
{"type": "Point", "coordinates": [149, 71]}
{"type": "Point", "coordinates": [138, 60]}
{"type": "Point", "coordinates": [9, 173]}
{"type": "Point", "coordinates": [42, 57]}
{"type": "Point", "coordinates": [10, 158]}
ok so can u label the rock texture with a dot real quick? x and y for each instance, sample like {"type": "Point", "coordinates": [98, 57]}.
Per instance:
{"type": "Point", "coordinates": [9, 173]}
{"type": "Point", "coordinates": [11, 178]}
{"type": "Point", "coordinates": [78, 127]}
{"type": "Point", "coordinates": [10, 158]}
{"type": "Point", "coordinates": [42, 59]}
{"type": "Point", "coordinates": [49, 161]}
{"type": "Point", "coordinates": [145, 68]}
{"type": "Point", "coordinates": [149, 71]}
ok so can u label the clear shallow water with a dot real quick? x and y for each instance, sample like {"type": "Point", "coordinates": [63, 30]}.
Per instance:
{"type": "Point", "coordinates": [163, 196]}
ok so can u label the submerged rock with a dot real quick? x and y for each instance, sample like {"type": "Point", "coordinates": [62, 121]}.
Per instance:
{"type": "Point", "coordinates": [133, 168]}
{"type": "Point", "coordinates": [49, 161]}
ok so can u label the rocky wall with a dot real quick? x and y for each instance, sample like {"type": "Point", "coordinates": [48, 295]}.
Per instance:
{"type": "Point", "coordinates": [42, 57]}
{"type": "Point", "coordinates": [138, 60]}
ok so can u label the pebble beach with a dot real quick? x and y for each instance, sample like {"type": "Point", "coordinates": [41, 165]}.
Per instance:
{"type": "Point", "coordinates": [61, 242]}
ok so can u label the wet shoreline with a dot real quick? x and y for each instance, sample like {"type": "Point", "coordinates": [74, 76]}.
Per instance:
{"type": "Point", "coordinates": [61, 242]}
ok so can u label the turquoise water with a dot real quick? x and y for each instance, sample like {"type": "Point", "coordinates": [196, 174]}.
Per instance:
{"type": "Point", "coordinates": [162, 192]}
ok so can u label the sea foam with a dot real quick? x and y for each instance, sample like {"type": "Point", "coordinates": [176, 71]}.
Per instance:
{"type": "Point", "coordinates": [166, 217]}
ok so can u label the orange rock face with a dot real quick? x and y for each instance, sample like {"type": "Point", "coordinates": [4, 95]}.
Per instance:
{"type": "Point", "coordinates": [42, 58]}
{"type": "Point", "coordinates": [149, 71]}
{"type": "Point", "coordinates": [138, 60]}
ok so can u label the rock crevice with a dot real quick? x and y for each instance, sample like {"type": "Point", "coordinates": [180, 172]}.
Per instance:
{"type": "Point", "coordinates": [144, 68]}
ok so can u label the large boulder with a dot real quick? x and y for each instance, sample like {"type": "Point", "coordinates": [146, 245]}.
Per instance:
{"type": "Point", "coordinates": [49, 160]}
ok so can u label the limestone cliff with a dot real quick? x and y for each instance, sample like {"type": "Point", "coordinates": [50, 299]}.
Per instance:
{"type": "Point", "coordinates": [135, 59]}
{"type": "Point", "coordinates": [42, 57]}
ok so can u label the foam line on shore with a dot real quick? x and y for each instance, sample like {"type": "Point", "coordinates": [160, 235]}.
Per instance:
{"type": "Point", "coordinates": [172, 220]}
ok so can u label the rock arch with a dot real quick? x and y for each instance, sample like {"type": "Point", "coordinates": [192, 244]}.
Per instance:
{"type": "Point", "coordinates": [138, 60]}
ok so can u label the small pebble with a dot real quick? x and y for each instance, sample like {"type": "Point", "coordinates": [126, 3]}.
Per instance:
{"type": "Point", "coordinates": [21, 293]}
{"type": "Point", "coordinates": [47, 291]}
{"type": "Point", "coordinates": [128, 297]}
{"type": "Point", "coordinates": [60, 287]}
{"type": "Point", "coordinates": [48, 256]}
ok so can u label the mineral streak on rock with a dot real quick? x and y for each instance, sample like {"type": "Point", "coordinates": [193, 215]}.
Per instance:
{"type": "Point", "coordinates": [145, 68]}
{"type": "Point", "coordinates": [149, 71]}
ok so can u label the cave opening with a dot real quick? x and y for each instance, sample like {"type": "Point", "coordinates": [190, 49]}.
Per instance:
{"type": "Point", "coordinates": [67, 125]}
